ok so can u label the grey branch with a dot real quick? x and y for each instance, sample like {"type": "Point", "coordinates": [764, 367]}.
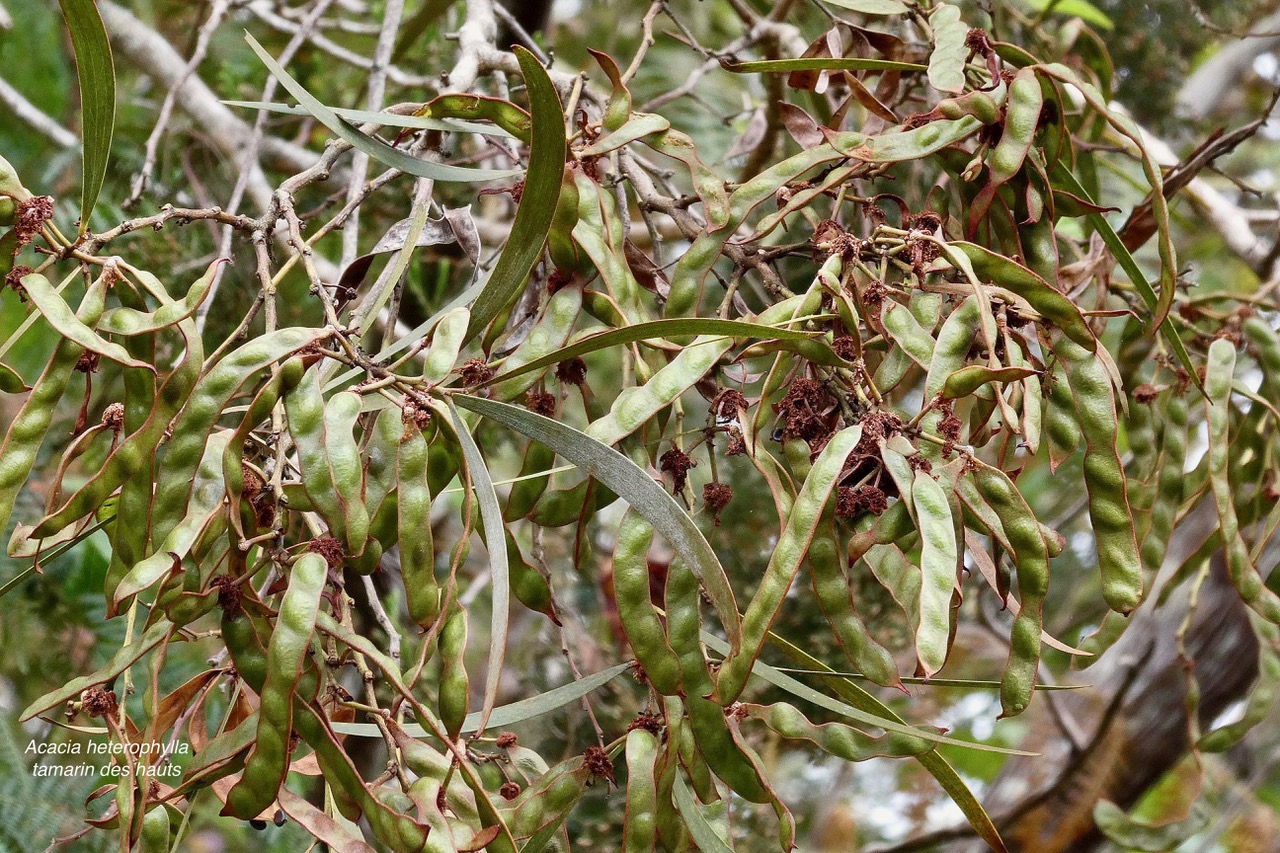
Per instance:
{"type": "Point", "coordinates": [35, 118]}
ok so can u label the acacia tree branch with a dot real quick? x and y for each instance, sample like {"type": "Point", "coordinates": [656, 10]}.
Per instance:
{"type": "Point", "coordinates": [36, 118]}
{"type": "Point", "coordinates": [149, 51]}
{"type": "Point", "coordinates": [377, 90]}
{"type": "Point", "coordinates": [217, 12]}
{"type": "Point", "coordinates": [1204, 92]}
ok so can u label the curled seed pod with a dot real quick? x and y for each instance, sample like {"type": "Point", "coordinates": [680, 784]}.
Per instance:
{"type": "Point", "coordinates": [1219, 371]}
{"type": "Point", "coordinates": [1027, 545]}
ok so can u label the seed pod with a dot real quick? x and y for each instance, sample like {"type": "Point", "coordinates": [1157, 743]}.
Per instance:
{"type": "Point", "coordinates": [454, 685]}
{"type": "Point", "coordinates": [639, 617]}
{"type": "Point", "coordinates": [640, 829]}
{"type": "Point", "coordinates": [267, 764]}
{"type": "Point", "coordinates": [417, 548]}
{"type": "Point", "coordinates": [27, 431]}
{"type": "Point", "coordinates": [1244, 574]}
{"type": "Point", "coordinates": [1104, 477]}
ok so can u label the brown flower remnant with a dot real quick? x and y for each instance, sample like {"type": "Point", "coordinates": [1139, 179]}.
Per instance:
{"type": "Point", "coordinates": [415, 413]}
{"type": "Point", "coordinates": [647, 720]}
{"type": "Point", "coordinates": [31, 216]}
{"type": "Point", "coordinates": [506, 740]}
{"type": "Point", "coordinates": [876, 426]}
{"type": "Point", "coordinates": [475, 372]}
{"type": "Point", "coordinates": [851, 501]}
{"type": "Point", "coordinates": [727, 403]}
{"type": "Point", "coordinates": [676, 463]}
{"type": "Point", "coordinates": [572, 371]}
{"type": "Point", "coordinates": [97, 701]}
{"type": "Point", "coordinates": [113, 417]}
{"type": "Point", "coordinates": [804, 411]}
{"type": "Point", "coordinates": [1145, 393]}
{"type": "Point", "coordinates": [541, 403]}
{"type": "Point", "coordinates": [845, 347]}
{"type": "Point", "coordinates": [88, 362]}
{"type": "Point", "coordinates": [919, 463]}
{"type": "Point", "coordinates": [717, 496]}
{"type": "Point", "coordinates": [229, 595]}
{"type": "Point", "coordinates": [329, 548]}
{"type": "Point", "coordinates": [735, 446]}
{"type": "Point", "coordinates": [14, 280]}
{"type": "Point", "coordinates": [509, 790]}
{"type": "Point", "coordinates": [597, 762]}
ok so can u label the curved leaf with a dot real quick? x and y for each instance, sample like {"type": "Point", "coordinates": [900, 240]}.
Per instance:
{"type": "Point", "coordinates": [541, 193]}
{"type": "Point", "coordinates": [495, 538]}
{"type": "Point", "coordinates": [97, 74]}
{"type": "Point", "coordinates": [510, 714]}
{"type": "Point", "coordinates": [375, 148]}
{"type": "Point", "coordinates": [818, 63]}
{"type": "Point", "coordinates": [632, 484]}
{"type": "Point", "coordinates": [656, 330]}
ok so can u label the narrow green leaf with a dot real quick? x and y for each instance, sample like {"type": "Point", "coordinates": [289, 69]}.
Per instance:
{"type": "Point", "coordinates": [375, 148]}
{"type": "Point", "coordinates": [541, 193]}
{"type": "Point", "coordinates": [126, 657]}
{"type": "Point", "coordinates": [694, 820]}
{"type": "Point", "coordinates": [872, 7]}
{"type": "Point", "coordinates": [97, 75]}
{"type": "Point", "coordinates": [386, 119]}
{"type": "Point", "coordinates": [1064, 178]}
{"type": "Point", "coordinates": [654, 330]}
{"type": "Point", "coordinates": [631, 483]}
{"type": "Point", "coordinates": [818, 63]}
{"type": "Point", "coordinates": [495, 538]}
{"type": "Point", "coordinates": [508, 715]}
{"type": "Point", "coordinates": [938, 767]}
{"type": "Point", "coordinates": [881, 718]}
